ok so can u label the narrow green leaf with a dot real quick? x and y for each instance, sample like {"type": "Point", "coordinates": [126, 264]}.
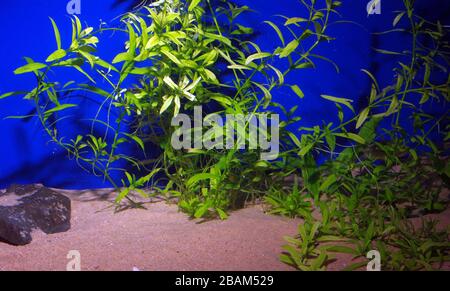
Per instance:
{"type": "Point", "coordinates": [352, 136]}
{"type": "Point", "coordinates": [201, 211]}
{"type": "Point", "coordinates": [193, 181]}
{"type": "Point", "coordinates": [194, 3]}
{"type": "Point", "coordinates": [398, 18]}
{"type": "Point", "coordinates": [327, 183]}
{"type": "Point", "coordinates": [305, 149]}
{"type": "Point", "coordinates": [297, 91]}
{"type": "Point", "coordinates": [56, 55]}
{"type": "Point", "coordinates": [279, 75]}
{"type": "Point", "coordinates": [256, 56]}
{"type": "Point", "coordinates": [57, 108]}
{"type": "Point", "coordinates": [57, 34]}
{"type": "Point", "coordinates": [6, 95]}
{"type": "Point", "coordinates": [31, 67]}
{"type": "Point", "coordinates": [121, 57]}
{"type": "Point", "coordinates": [137, 140]}
{"type": "Point", "coordinates": [172, 57]}
{"type": "Point", "coordinates": [294, 20]}
{"type": "Point", "coordinates": [343, 101]}
{"type": "Point", "coordinates": [362, 117]}
{"type": "Point", "coordinates": [341, 249]}
{"type": "Point", "coordinates": [166, 104]}
{"type": "Point", "coordinates": [222, 214]}
{"type": "Point", "coordinates": [122, 195]}
{"type": "Point", "coordinates": [289, 49]}
{"type": "Point", "coordinates": [277, 30]}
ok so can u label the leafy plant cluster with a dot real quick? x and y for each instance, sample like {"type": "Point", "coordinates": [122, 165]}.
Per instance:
{"type": "Point", "coordinates": [381, 165]}
{"type": "Point", "coordinates": [367, 194]}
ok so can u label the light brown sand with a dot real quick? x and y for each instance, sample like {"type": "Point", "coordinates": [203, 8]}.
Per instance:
{"type": "Point", "coordinates": [159, 238]}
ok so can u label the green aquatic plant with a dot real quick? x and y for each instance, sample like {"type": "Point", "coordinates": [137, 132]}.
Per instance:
{"type": "Point", "coordinates": [182, 54]}
{"type": "Point", "coordinates": [176, 57]}
{"type": "Point", "coordinates": [368, 192]}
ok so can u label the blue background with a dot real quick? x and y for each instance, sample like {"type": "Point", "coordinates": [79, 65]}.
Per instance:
{"type": "Point", "coordinates": [26, 156]}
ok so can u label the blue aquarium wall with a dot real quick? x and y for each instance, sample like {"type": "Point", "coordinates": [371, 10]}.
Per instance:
{"type": "Point", "coordinates": [26, 156]}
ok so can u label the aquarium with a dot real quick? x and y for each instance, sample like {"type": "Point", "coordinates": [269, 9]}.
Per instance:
{"type": "Point", "coordinates": [224, 135]}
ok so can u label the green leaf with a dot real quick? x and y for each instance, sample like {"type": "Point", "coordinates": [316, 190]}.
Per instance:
{"type": "Point", "coordinates": [171, 56]}
{"type": "Point", "coordinates": [218, 37]}
{"type": "Point", "coordinates": [209, 75]}
{"type": "Point", "coordinates": [56, 109]}
{"type": "Point", "coordinates": [305, 65]}
{"type": "Point", "coordinates": [6, 95]}
{"type": "Point", "coordinates": [327, 183]}
{"type": "Point", "coordinates": [295, 139]}
{"type": "Point", "coordinates": [266, 92]}
{"type": "Point", "coordinates": [294, 254]}
{"type": "Point", "coordinates": [238, 67]}
{"type": "Point", "coordinates": [341, 249]}
{"type": "Point", "coordinates": [355, 266]}
{"type": "Point", "coordinates": [194, 3]}
{"type": "Point", "coordinates": [166, 105]}
{"type": "Point", "coordinates": [137, 140]}
{"type": "Point", "coordinates": [78, 24]}
{"type": "Point", "coordinates": [279, 74]}
{"type": "Point", "coordinates": [20, 116]}
{"type": "Point", "coordinates": [352, 136]}
{"type": "Point", "coordinates": [201, 211]}
{"type": "Point", "coordinates": [398, 18]}
{"type": "Point", "coordinates": [262, 164]}
{"type": "Point", "coordinates": [305, 149]}
{"type": "Point", "coordinates": [225, 101]}
{"type": "Point", "coordinates": [318, 263]}
{"type": "Point", "coordinates": [57, 34]}
{"type": "Point", "coordinates": [222, 214]}
{"type": "Point", "coordinates": [387, 52]}
{"type": "Point", "coordinates": [294, 20]}
{"type": "Point", "coordinates": [362, 117]}
{"type": "Point", "coordinates": [331, 139]}
{"type": "Point", "coordinates": [277, 30]}
{"type": "Point", "coordinates": [132, 41]}
{"type": "Point", "coordinates": [256, 56]}
{"type": "Point", "coordinates": [193, 181]}
{"type": "Point", "coordinates": [105, 65]}
{"type": "Point", "coordinates": [297, 91]}
{"type": "Point", "coordinates": [343, 101]}
{"type": "Point", "coordinates": [70, 62]}
{"type": "Point", "coordinates": [79, 69]}
{"type": "Point", "coordinates": [31, 67]}
{"type": "Point", "coordinates": [56, 55]}
{"type": "Point", "coordinates": [289, 49]}
{"type": "Point", "coordinates": [371, 76]}
{"type": "Point", "coordinates": [121, 57]}
{"type": "Point", "coordinates": [122, 195]}
{"type": "Point", "coordinates": [90, 58]}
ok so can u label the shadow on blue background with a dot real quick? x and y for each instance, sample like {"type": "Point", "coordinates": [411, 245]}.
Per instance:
{"type": "Point", "coordinates": [26, 155]}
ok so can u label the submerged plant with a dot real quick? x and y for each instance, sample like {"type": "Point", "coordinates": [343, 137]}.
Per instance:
{"type": "Point", "coordinates": [179, 54]}
{"type": "Point", "coordinates": [183, 54]}
{"type": "Point", "coordinates": [372, 189]}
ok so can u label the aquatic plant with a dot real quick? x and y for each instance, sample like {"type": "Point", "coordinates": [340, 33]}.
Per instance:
{"type": "Point", "coordinates": [183, 54]}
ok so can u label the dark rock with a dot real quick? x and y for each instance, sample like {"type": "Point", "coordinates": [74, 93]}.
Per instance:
{"type": "Point", "coordinates": [23, 189]}
{"type": "Point", "coordinates": [40, 208]}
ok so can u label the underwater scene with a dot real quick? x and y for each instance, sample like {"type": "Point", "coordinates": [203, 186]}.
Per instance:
{"type": "Point", "coordinates": [219, 136]}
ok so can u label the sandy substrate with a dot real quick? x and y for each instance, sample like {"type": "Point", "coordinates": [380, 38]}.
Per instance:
{"type": "Point", "coordinates": [159, 238]}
